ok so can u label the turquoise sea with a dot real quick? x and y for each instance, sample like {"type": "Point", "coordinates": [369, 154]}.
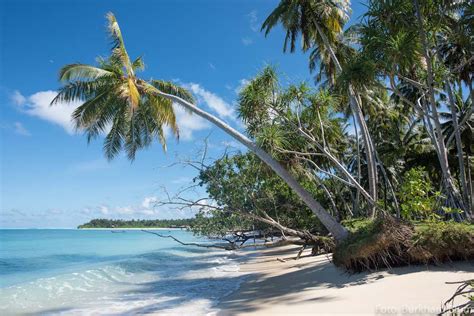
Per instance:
{"type": "Point", "coordinates": [98, 272]}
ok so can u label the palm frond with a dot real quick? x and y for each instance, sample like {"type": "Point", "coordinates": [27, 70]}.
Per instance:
{"type": "Point", "coordinates": [138, 64]}
{"type": "Point", "coordinates": [87, 112]}
{"type": "Point", "coordinates": [79, 91]}
{"type": "Point", "coordinates": [118, 45]}
{"type": "Point", "coordinates": [115, 138]}
{"type": "Point", "coordinates": [84, 72]}
{"type": "Point", "coordinates": [171, 88]}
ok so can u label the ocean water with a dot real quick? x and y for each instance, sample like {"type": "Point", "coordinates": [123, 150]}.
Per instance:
{"type": "Point", "coordinates": [97, 272]}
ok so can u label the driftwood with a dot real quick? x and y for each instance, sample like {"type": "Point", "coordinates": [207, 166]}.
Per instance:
{"type": "Point", "coordinates": [232, 246]}
{"type": "Point", "coordinates": [466, 288]}
{"type": "Point", "coordinates": [184, 243]}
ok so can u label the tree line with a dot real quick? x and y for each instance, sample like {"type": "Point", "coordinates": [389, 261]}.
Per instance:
{"type": "Point", "coordinates": [137, 223]}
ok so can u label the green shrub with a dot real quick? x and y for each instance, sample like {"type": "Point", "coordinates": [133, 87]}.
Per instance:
{"type": "Point", "coordinates": [357, 224]}
{"type": "Point", "coordinates": [417, 195]}
{"type": "Point", "coordinates": [442, 241]}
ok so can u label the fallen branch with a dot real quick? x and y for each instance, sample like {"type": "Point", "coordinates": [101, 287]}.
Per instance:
{"type": "Point", "coordinates": [463, 290]}
{"type": "Point", "coordinates": [186, 243]}
{"type": "Point", "coordinates": [232, 246]}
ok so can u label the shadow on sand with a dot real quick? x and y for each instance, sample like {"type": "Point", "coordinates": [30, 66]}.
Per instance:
{"type": "Point", "coordinates": [182, 290]}
{"type": "Point", "coordinates": [309, 276]}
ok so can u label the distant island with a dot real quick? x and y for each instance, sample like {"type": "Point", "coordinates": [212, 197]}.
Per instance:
{"type": "Point", "coordinates": [137, 223]}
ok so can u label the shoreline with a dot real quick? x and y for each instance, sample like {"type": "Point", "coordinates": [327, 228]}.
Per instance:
{"type": "Point", "coordinates": [314, 285]}
{"type": "Point", "coordinates": [104, 273]}
{"type": "Point", "coordinates": [133, 228]}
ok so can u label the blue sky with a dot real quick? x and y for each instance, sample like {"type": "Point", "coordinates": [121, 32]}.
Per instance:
{"type": "Point", "coordinates": [50, 176]}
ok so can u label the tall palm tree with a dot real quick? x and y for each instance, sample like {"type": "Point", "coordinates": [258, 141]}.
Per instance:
{"type": "Point", "coordinates": [137, 111]}
{"type": "Point", "coordinates": [320, 22]}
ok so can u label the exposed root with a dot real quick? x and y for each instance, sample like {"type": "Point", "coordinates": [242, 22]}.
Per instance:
{"type": "Point", "coordinates": [382, 244]}
{"type": "Point", "coordinates": [388, 242]}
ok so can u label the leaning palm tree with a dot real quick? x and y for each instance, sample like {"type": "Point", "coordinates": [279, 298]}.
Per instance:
{"type": "Point", "coordinates": [320, 22]}
{"type": "Point", "coordinates": [136, 112]}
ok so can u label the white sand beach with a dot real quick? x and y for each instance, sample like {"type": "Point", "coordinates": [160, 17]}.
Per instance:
{"type": "Point", "coordinates": [314, 286]}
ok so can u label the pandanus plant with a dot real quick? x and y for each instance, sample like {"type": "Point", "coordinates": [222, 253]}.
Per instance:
{"type": "Point", "coordinates": [320, 22]}
{"type": "Point", "coordinates": [133, 112]}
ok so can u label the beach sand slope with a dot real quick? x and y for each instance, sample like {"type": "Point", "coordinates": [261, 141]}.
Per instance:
{"type": "Point", "coordinates": [314, 286]}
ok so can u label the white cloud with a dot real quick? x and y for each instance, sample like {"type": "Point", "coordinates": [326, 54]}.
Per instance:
{"type": "Point", "coordinates": [242, 84]}
{"type": "Point", "coordinates": [18, 98]}
{"type": "Point", "coordinates": [86, 211]}
{"type": "Point", "coordinates": [16, 127]}
{"type": "Point", "coordinates": [253, 20]}
{"type": "Point", "coordinates": [20, 129]}
{"type": "Point", "coordinates": [247, 41]}
{"type": "Point", "coordinates": [104, 209]}
{"type": "Point", "coordinates": [188, 123]}
{"type": "Point", "coordinates": [149, 201]}
{"type": "Point", "coordinates": [146, 209]}
{"type": "Point", "coordinates": [125, 210]}
{"type": "Point", "coordinates": [216, 103]}
{"type": "Point", "coordinates": [38, 105]}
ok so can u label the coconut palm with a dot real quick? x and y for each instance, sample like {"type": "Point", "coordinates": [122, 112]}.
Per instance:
{"type": "Point", "coordinates": [137, 110]}
{"type": "Point", "coordinates": [320, 22]}
{"type": "Point", "coordinates": [117, 102]}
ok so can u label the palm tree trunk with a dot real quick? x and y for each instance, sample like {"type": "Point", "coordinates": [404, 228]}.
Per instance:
{"type": "Point", "coordinates": [335, 228]}
{"type": "Point", "coordinates": [357, 112]}
{"type": "Point", "coordinates": [369, 148]}
{"type": "Point", "coordinates": [359, 176]}
{"type": "Point", "coordinates": [454, 199]}
{"type": "Point", "coordinates": [469, 185]}
{"type": "Point", "coordinates": [457, 135]}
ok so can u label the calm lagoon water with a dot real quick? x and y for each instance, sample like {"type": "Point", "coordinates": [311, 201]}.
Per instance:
{"type": "Point", "coordinates": [97, 272]}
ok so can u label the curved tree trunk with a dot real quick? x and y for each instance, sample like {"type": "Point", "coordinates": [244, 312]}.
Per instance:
{"type": "Point", "coordinates": [335, 228]}
{"type": "Point", "coordinates": [357, 112]}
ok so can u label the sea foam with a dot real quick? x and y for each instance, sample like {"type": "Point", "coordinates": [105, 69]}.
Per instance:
{"type": "Point", "coordinates": [165, 279]}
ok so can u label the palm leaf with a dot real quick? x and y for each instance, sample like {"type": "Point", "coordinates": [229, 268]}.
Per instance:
{"type": "Point", "coordinates": [81, 71]}
{"type": "Point", "coordinates": [118, 48]}
{"type": "Point", "coordinates": [170, 88]}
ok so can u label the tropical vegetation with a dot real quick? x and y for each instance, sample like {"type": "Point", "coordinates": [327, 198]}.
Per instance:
{"type": "Point", "coordinates": [376, 153]}
{"type": "Point", "coordinates": [137, 223]}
